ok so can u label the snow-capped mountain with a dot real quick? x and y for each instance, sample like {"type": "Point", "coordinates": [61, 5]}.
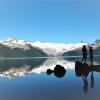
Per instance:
{"type": "Point", "coordinates": [51, 49]}
{"type": "Point", "coordinates": [13, 43]}
{"type": "Point", "coordinates": [78, 52]}
{"type": "Point", "coordinates": [11, 48]}
{"type": "Point", "coordinates": [56, 49]}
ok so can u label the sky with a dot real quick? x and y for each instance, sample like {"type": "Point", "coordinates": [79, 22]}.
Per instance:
{"type": "Point", "coordinates": [61, 21]}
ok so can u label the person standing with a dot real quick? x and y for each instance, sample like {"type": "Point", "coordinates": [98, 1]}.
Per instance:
{"type": "Point", "coordinates": [91, 55]}
{"type": "Point", "coordinates": [84, 50]}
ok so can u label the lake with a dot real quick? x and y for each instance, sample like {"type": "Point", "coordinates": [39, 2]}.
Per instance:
{"type": "Point", "coordinates": [26, 79]}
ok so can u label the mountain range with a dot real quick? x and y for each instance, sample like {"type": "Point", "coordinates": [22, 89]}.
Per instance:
{"type": "Point", "coordinates": [78, 51]}
{"type": "Point", "coordinates": [21, 48]}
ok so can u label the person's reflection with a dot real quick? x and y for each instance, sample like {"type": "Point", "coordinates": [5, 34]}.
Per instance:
{"type": "Point", "coordinates": [84, 77]}
{"type": "Point", "coordinates": [58, 71]}
{"type": "Point", "coordinates": [92, 80]}
{"type": "Point", "coordinates": [83, 71]}
{"type": "Point", "coordinates": [85, 86]}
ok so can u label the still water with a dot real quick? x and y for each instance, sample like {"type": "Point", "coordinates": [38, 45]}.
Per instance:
{"type": "Point", "coordinates": [26, 79]}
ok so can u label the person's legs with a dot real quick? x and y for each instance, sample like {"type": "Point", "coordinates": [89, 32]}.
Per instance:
{"type": "Point", "coordinates": [91, 59]}
{"type": "Point", "coordinates": [85, 58]}
{"type": "Point", "coordinates": [82, 59]}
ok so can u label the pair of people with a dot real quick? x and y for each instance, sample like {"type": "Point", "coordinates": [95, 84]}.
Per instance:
{"type": "Point", "coordinates": [84, 50]}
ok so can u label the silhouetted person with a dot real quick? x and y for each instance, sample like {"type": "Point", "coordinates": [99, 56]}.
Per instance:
{"type": "Point", "coordinates": [92, 80]}
{"type": "Point", "coordinates": [58, 71]}
{"type": "Point", "coordinates": [84, 50]}
{"type": "Point", "coordinates": [91, 55]}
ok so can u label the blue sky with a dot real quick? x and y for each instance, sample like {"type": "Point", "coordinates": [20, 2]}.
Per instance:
{"type": "Point", "coordinates": [63, 21]}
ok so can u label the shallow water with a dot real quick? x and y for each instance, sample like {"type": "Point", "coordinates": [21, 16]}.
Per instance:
{"type": "Point", "coordinates": [27, 79]}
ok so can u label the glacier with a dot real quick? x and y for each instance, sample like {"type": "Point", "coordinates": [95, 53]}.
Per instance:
{"type": "Point", "coordinates": [51, 49]}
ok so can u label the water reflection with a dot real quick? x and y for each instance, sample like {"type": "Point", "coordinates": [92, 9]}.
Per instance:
{"type": "Point", "coordinates": [16, 68]}
{"type": "Point", "coordinates": [20, 67]}
{"type": "Point", "coordinates": [83, 70]}
{"type": "Point", "coordinates": [38, 85]}
{"type": "Point", "coordinates": [96, 60]}
{"type": "Point", "coordinates": [10, 68]}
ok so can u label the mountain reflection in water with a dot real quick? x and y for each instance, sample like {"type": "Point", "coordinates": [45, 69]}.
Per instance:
{"type": "Point", "coordinates": [20, 67]}
{"type": "Point", "coordinates": [67, 81]}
